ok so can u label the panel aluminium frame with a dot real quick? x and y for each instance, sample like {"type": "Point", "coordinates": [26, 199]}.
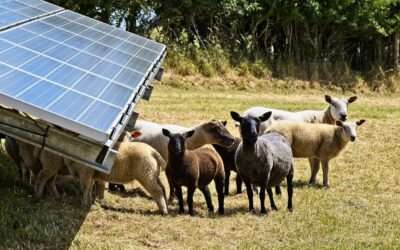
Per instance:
{"type": "Point", "coordinates": [64, 143]}
{"type": "Point", "coordinates": [130, 116]}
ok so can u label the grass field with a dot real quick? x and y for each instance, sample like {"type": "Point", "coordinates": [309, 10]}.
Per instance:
{"type": "Point", "coordinates": [359, 210]}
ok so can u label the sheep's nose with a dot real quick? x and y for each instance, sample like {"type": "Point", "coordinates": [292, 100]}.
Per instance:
{"type": "Point", "coordinates": [343, 117]}
{"type": "Point", "coordinates": [352, 138]}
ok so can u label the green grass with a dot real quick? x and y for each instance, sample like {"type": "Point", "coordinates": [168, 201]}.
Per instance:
{"type": "Point", "coordinates": [359, 210]}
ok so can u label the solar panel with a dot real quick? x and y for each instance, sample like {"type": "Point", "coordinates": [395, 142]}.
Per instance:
{"type": "Point", "coordinates": [71, 70]}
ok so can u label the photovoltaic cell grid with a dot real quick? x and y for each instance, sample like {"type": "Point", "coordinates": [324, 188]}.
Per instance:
{"type": "Point", "coordinates": [14, 12]}
{"type": "Point", "coordinates": [74, 71]}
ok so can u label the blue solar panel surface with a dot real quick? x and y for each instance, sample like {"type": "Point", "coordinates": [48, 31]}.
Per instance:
{"type": "Point", "coordinates": [71, 70]}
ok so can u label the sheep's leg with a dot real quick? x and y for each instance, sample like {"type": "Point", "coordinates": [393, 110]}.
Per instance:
{"type": "Point", "coordinates": [190, 193]}
{"type": "Point", "coordinates": [44, 175]}
{"type": "Point", "coordinates": [314, 163]}
{"type": "Point", "coordinates": [219, 186]}
{"type": "Point", "coordinates": [171, 192]}
{"type": "Point", "coordinates": [100, 187]}
{"type": "Point", "coordinates": [238, 184]}
{"type": "Point", "coordinates": [249, 195]}
{"type": "Point", "coordinates": [227, 177]}
{"type": "Point", "coordinates": [157, 192]}
{"type": "Point", "coordinates": [23, 171]}
{"type": "Point", "coordinates": [178, 192]}
{"type": "Point", "coordinates": [53, 187]}
{"type": "Point", "coordinates": [207, 196]}
{"type": "Point", "coordinates": [325, 170]}
{"type": "Point", "coordinates": [289, 180]}
{"type": "Point", "coordinates": [271, 199]}
{"type": "Point", "coordinates": [262, 199]}
{"type": "Point", "coordinates": [278, 189]}
{"type": "Point", "coordinates": [87, 184]}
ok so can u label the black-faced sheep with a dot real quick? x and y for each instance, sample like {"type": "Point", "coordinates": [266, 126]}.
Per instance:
{"type": "Point", "coordinates": [264, 161]}
{"type": "Point", "coordinates": [211, 132]}
{"type": "Point", "coordinates": [194, 169]}
{"type": "Point", "coordinates": [228, 157]}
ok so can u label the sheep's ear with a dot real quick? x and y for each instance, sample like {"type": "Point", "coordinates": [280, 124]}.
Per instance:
{"type": "Point", "coordinates": [235, 116]}
{"type": "Point", "coordinates": [352, 99]}
{"type": "Point", "coordinates": [328, 99]}
{"type": "Point", "coordinates": [188, 134]}
{"type": "Point", "coordinates": [360, 122]}
{"type": "Point", "coordinates": [166, 132]}
{"type": "Point", "coordinates": [224, 123]}
{"type": "Point", "coordinates": [339, 123]}
{"type": "Point", "coordinates": [265, 116]}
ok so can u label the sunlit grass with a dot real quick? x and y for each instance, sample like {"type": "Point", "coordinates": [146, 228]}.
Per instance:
{"type": "Point", "coordinates": [360, 209]}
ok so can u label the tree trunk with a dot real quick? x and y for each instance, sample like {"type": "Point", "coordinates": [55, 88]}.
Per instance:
{"type": "Point", "coordinates": [396, 52]}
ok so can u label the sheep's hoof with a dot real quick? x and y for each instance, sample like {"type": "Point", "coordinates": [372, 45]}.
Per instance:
{"type": "Point", "coordinates": [164, 213]}
{"type": "Point", "coordinates": [290, 209]}
{"type": "Point", "coordinates": [326, 186]}
{"type": "Point", "coordinates": [274, 208]}
{"type": "Point", "coordinates": [263, 213]}
{"type": "Point", "coordinates": [191, 214]}
{"type": "Point", "coordinates": [252, 210]}
{"type": "Point", "coordinates": [181, 211]}
{"type": "Point", "coordinates": [221, 211]}
{"type": "Point", "coordinates": [226, 194]}
{"type": "Point", "coordinates": [239, 191]}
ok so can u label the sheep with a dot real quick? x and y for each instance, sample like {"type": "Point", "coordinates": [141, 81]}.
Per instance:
{"type": "Point", "coordinates": [211, 132]}
{"type": "Point", "coordinates": [337, 110]}
{"type": "Point", "coordinates": [319, 141]}
{"type": "Point", "coordinates": [25, 156]}
{"type": "Point", "coordinates": [263, 161]}
{"type": "Point", "coordinates": [228, 158]}
{"type": "Point", "coordinates": [135, 161]}
{"type": "Point", "coordinates": [194, 169]}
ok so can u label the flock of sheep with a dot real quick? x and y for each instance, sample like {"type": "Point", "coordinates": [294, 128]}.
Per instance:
{"type": "Point", "coordinates": [262, 157]}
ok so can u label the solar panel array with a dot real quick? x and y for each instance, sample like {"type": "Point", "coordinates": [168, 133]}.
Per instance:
{"type": "Point", "coordinates": [71, 70]}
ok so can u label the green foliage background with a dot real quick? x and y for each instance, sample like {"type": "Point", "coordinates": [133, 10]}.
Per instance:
{"type": "Point", "coordinates": [316, 40]}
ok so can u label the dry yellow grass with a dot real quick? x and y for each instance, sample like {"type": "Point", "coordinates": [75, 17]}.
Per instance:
{"type": "Point", "coordinates": [360, 209]}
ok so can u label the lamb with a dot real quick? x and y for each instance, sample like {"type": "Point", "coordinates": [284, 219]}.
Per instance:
{"type": "Point", "coordinates": [228, 158]}
{"type": "Point", "coordinates": [319, 141]}
{"type": "Point", "coordinates": [135, 161]}
{"type": "Point", "coordinates": [264, 160]}
{"type": "Point", "coordinates": [211, 132]}
{"type": "Point", "coordinates": [194, 169]}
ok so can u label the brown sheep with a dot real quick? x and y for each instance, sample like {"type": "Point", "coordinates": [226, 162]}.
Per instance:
{"type": "Point", "coordinates": [194, 169]}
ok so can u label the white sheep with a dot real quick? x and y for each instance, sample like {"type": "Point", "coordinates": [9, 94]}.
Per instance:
{"type": "Point", "coordinates": [337, 110]}
{"type": "Point", "coordinates": [319, 141]}
{"type": "Point", "coordinates": [135, 161]}
{"type": "Point", "coordinates": [25, 156]}
{"type": "Point", "coordinates": [211, 132]}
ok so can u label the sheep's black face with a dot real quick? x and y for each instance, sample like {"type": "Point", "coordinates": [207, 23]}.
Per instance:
{"type": "Point", "coordinates": [176, 144]}
{"type": "Point", "coordinates": [249, 126]}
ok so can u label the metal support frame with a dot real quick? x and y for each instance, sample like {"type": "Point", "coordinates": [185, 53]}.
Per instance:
{"type": "Point", "coordinates": [56, 140]}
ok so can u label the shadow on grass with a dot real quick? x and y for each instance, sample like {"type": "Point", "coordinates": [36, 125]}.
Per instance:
{"type": "Point", "coordinates": [305, 184]}
{"type": "Point", "coordinates": [28, 223]}
{"type": "Point", "coordinates": [136, 192]}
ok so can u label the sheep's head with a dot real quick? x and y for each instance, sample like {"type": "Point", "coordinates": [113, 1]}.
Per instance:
{"type": "Point", "coordinates": [216, 133]}
{"type": "Point", "coordinates": [176, 144]}
{"type": "Point", "coordinates": [349, 129]}
{"type": "Point", "coordinates": [338, 107]}
{"type": "Point", "coordinates": [250, 126]}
